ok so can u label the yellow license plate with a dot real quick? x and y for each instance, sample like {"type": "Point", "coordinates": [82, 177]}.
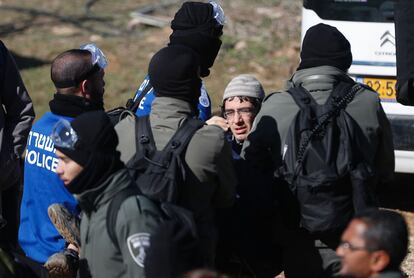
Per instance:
{"type": "Point", "coordinates": [384, 87]}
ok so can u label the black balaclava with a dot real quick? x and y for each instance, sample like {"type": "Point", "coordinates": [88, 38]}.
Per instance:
{"type": "Point", "coordinates": [95, 150]}
{"type": "Point", "coordinates": [324, 45]}
{"type": "Point", "coordinates": [173, 72]}
{"type": "Point", "coordinates": [194, 26]}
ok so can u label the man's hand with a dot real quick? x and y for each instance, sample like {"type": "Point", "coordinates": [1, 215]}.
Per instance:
{"type": "Point", "coordinates": [219, 121]}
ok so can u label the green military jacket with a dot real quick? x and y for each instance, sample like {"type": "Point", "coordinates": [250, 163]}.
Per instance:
{"type": "Point", "coordinates": [211, 181]}
{"type": "Point", "coordinates": [208, 156]}
{"type": "Point", "coordinates": [391, 274]}
{"type": "Point", "coordinates": [137, 219]}
{"type": "Point", "coordinates": [265, 143]}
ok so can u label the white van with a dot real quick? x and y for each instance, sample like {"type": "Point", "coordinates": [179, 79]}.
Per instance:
{"type": "Point", "coordinates": [369, 27]}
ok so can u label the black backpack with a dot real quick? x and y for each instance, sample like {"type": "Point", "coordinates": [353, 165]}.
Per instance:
{"type": "Point", "coordinates": [324, 161]}
{"type": "Point", "coordinates": [158, 176]}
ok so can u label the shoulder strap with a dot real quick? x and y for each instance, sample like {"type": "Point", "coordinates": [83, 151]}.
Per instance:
{"type": "Point", "coordinates": [301, 96]}
{"type": "Point", "coordinates": [133, 105]}
{"type": "Point", "coordinates": [345, 90]}
{"type": "Point", "coordinates": [113, 210]}
{"type": "Point", "coordinates": [144, 138]}
{"type": "Point", "coordinates": [183, 135]}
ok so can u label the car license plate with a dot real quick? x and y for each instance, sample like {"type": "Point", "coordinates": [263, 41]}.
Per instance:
{"type": "Point", "coordinates": [384, 87]}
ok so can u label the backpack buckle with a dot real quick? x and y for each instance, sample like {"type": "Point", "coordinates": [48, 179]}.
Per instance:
{"type": "Point", "coordinates": [175, 144]}
{"type": "Point", "coordinates": [144, 139]}
{"type": "Point", "coordinates": [306, 100]}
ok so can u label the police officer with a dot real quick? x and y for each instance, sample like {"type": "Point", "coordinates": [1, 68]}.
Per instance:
{"type": "Point", "coordinates": [210, 179]}
{"type": "Point", "coordinates": [78, 77]}
{"type": "Point", "coordinates": [199, 27]}
{"type": "Point", "coordinates": [325, 58]}
{"type": "Point", "coordinates": [90, 168]}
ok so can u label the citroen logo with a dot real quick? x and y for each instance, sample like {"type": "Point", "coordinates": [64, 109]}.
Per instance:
{"type": "Point", "coordinates": [386, 38]}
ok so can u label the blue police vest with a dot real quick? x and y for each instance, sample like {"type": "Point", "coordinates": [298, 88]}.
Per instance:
{"type": "Point", "coordinates": [144, 108]}
{"type": "Point", "coordinates": [42, 187]}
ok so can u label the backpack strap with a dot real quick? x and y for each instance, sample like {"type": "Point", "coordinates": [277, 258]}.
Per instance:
{"type": "Point", "coordinates": [301, 96]}
{"type": "Point", "coordinates": [132, 105]}
{"type": "Point", "coordinates": [113, 210]}
{"type": "Point", "coordinates": [345, 91]}
{"type": "Point", "coordinates": [183, 135]}
{"type": "Point", "coordinates": [143, 134]}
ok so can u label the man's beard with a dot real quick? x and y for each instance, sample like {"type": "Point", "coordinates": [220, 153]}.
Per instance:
{"type": "Point", "coordinates": [96, 100]}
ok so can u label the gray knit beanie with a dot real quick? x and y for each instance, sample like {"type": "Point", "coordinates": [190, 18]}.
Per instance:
{"type": "Point", "coordinates": [245, 85]}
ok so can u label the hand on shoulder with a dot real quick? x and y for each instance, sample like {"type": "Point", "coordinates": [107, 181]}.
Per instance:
{"type": "Point", "coordinates": [218, 121]}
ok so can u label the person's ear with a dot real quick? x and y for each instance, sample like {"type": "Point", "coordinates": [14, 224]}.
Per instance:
{"type": "Point", "coordinates": [85, 89]}
{"type": "Point", "coordinates": [379, 260]}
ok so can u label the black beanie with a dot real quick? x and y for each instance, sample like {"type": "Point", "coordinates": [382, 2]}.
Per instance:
{"type": "Point", "coordinates": [194, 16]}
{"type": "Point", "coordinates": [324, 45]}
{"type": "Point", "coordinates": [174, 72]}
{"type": "Point", "coordinates": [95, 150]}
{"type": "Point", "coordinates": [194, 26]}
{"type": "Point", "coordinates": [95, 134]}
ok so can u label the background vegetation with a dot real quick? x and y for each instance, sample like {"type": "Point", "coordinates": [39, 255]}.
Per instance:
{"type": "Point", "coordinates": [260, 37]}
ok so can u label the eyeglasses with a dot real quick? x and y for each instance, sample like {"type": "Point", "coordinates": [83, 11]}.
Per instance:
{"type": "Point", "coordinates": [348, 246]}
{"type": "Point", "coordinates": [63, 135]}
{"type": "Point", "coordinates": [244, 112]}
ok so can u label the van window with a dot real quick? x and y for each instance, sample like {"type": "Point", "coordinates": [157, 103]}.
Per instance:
{"type": "Point", "coordinates": [353, 10]}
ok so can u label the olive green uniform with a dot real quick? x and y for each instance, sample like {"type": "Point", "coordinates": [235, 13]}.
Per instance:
{"type": "Point", "coordinates": [305, 255]}
{"type": "Point", "coordinates": [390, 274]}
{"type": "Point", "coordinates": [211, 180]}
{"type": "Point", "coordinates": [271, 125]}
{"type": "Point", "coordinates": [137, 219]}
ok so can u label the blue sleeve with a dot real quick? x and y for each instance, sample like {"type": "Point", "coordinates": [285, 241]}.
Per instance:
{"type": "Point", "coordinates": [204, 104]}
{"type": "Point", "coordinates": [144, 108]}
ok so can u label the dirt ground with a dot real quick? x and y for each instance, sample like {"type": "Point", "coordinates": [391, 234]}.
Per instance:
{"type": "Point", "coordinates": [260, 37]}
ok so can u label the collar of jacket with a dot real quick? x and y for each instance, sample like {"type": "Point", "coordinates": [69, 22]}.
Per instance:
{"type": "Point", "coordinates": [322, 78]}
{"type": "Point", "coordinates": [92, 199]}
{"type": "Point", "coordinates": [71, 105]}
{"type": "Point", "coordinates": [390, 274]}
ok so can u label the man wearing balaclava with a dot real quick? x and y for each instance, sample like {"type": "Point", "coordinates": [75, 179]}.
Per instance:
{"type": "Point", "coordinates": [210, 179]}
{"type": "Point", "coordinates": [325, 58]}
{"type": "Point", "coordinates": [78, 77]}
{"type": "Point", "coordinates": [90, 167]}
{"type": "Point", "coordinates": [199, 27]}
